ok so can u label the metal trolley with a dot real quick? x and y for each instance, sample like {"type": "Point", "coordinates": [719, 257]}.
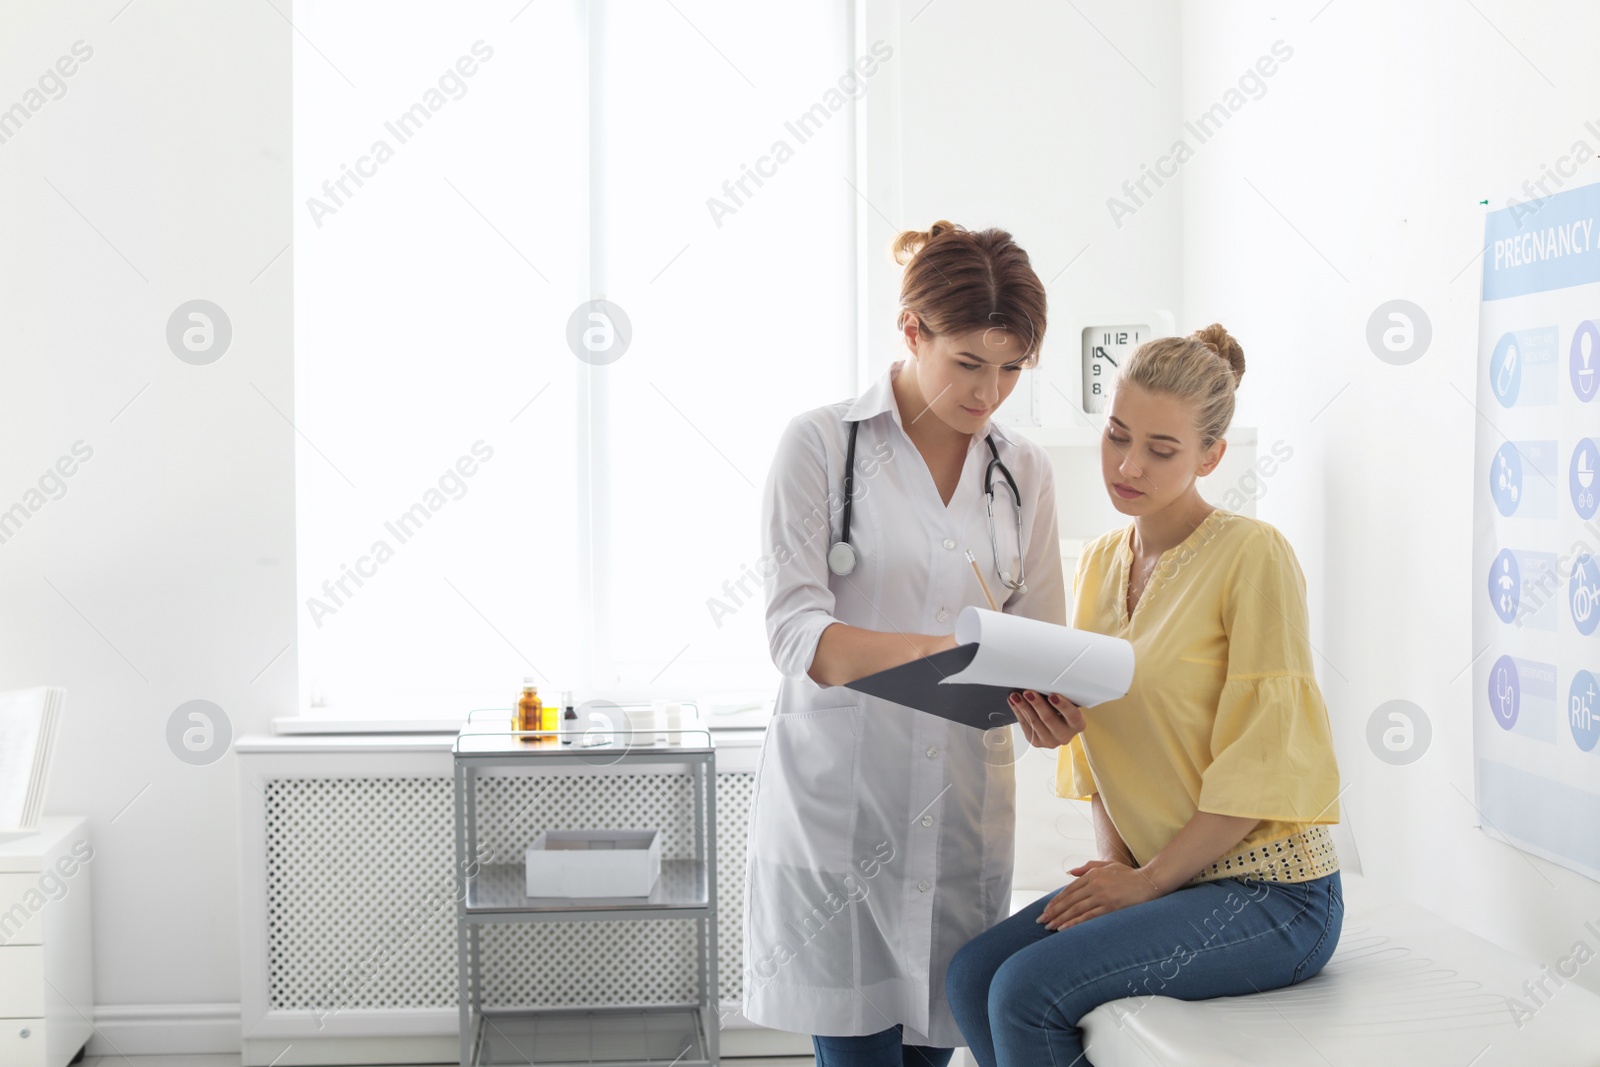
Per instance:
{"type": "Point", "coordinates": [682, 1035]}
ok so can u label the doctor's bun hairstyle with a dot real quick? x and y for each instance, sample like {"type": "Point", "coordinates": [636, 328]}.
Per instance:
{"type": "Point", "coordinates": [958, 280]}
{"type": "Point", "coordinates": [1202, 369]}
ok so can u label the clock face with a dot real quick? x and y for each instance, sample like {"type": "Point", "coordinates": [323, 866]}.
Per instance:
{"type": "Point", "coordinates": [1105, 352]}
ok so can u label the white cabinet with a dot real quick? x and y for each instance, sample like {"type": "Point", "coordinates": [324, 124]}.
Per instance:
{"type": "Point", "coordinates": [46, 986]}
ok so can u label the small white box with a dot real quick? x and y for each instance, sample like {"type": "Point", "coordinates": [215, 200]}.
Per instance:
{"type": "Point", "coordinates": [593, 863]}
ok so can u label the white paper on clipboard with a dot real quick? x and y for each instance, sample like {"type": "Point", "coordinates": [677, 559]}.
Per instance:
{"type": "Point", "coordinates": [1023, 653]}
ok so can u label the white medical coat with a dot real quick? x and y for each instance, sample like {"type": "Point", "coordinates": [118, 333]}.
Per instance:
{"type": "Point", "coordinates": [881, 838]}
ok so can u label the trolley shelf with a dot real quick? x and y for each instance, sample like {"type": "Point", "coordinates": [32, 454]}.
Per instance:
{"type": "Point", "coordinates": [499, 889]}
{"type": "Point", "coordinates": [615, 1037]}
{"type": "Point", "coordinates": [490, 894]}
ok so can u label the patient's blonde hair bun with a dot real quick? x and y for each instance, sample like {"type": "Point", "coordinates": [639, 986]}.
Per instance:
{"type": "Point", "coordinates": [1189, 368]}
{"type": "Point", "coordinates": [1217, 338]}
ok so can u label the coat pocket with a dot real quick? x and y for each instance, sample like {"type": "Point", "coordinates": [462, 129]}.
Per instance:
{"type": "Point", "coordinates": [805, 805]}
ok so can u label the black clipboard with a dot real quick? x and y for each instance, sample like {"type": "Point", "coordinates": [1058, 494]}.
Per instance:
{"type": "Point", "coordinates": [916, 685]}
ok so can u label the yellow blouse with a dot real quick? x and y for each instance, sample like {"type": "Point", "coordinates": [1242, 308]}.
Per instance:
{"type": "Point", "coordinates": [1224, 714]}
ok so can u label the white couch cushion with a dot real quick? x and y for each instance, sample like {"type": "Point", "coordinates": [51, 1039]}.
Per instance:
{"type": "Point", "coordinates": [1404, 987]}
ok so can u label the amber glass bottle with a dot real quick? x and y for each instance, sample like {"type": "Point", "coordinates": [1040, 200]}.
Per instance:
{"type": "Point", "coordinates": [530, 711]}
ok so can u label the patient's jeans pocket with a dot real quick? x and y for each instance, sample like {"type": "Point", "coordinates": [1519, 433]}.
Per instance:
{"type": "Point", "coordinates": [1325, 916]}
{"type": "Point", "coordinates": [806, 803]}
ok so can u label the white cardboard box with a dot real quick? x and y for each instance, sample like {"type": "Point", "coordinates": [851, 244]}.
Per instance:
{"type": "Point", "coordinates": [593, 863]}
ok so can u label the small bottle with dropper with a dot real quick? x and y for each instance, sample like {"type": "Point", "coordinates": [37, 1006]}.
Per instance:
{"type": "Point", "coordinates": [569, 717]}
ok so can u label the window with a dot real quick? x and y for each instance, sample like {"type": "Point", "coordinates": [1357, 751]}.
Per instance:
{"type": "Point", "coordinates": [489, 485]}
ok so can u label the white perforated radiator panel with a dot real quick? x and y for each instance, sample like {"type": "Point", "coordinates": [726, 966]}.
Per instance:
{"type": "Point", "coordinates": [361, 895]}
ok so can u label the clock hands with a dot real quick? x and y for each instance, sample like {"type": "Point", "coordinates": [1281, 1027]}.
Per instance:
{"type": "Point", "coordinates": [1102, 354]}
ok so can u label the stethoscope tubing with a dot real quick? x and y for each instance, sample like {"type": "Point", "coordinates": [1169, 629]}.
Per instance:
{"type": "Point", "coordinates": [842, 555]}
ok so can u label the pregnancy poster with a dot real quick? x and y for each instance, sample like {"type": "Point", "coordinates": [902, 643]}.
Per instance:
{"type": "Point", "coordinates": [1536, 540]}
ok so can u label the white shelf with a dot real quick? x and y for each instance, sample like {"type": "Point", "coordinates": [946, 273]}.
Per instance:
{"type": "Point", "coordinates": [617, 1037]}
{"type": "Point", "coordinates": [499, 888]}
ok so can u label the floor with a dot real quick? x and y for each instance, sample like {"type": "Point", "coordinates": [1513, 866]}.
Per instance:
{"type": "Point", "coordinates": [961, 1060]}
{"type": "Point", "coordinates": [233, 1061]}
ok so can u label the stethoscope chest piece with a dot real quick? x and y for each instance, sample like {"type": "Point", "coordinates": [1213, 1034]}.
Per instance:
{"type": "Point", "coordinates": [841, 558]}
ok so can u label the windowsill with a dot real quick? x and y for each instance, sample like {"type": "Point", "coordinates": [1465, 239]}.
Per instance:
{"type": "Point", "coordinates": [293, 725]}
{"type": "Point", "coordinates": [718, 716]}
{"type": "Point", "coordinates": [325, 744]}
{"type": "Point", "coordinates": [391, 741]}
{"type": "Point", "coordinates": [299, 734]}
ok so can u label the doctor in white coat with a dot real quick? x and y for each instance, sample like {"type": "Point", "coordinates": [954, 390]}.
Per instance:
{"type": "Point", "coordinates": [881, 838]}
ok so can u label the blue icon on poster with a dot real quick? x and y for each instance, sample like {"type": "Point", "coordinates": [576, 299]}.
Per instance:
{"type": "Point", "coordinates": [1583, 710]}
{"type": "Point", "coordinates": [1505, 692]}
{"type": "Point", "coordinates": [1505, 371]}
{"type": "Point", "coordinates": [1505, 478]}
{"type": "Point", "coordinates": [1581, 477]}
{"type": "Point", "coordinates": [1505, 585]}
{"type": "Point", "coordinates": [1585, 360]}
{"type": "Point", "coordinates": [1584, 593]}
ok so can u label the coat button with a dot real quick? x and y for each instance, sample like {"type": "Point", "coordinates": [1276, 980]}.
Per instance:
{"type": "Point", "coordinates": [922, 886]}
{"type": "Point", "coordinates": [943, 615]}
{"type": "Point", "coordinates": [927, 820]}
{"type": "Point", "coordinates": [949, 543]}
{"type": "Point", "coordinates": [932, 752]}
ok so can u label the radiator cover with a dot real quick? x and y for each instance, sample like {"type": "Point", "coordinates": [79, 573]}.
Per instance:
{"type": "Point", "coordinates": [349, 892]}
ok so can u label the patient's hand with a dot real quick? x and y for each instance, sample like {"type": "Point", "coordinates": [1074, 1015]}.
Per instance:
{"type": "Point", "coordinates": [1098, 887]}
{"type": "Point", "coordinates": [1047, 720]}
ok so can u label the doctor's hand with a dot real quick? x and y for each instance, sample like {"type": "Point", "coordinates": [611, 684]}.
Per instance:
{"type": "Point", "coordinates": [1047, 720]}
{"type": "Point", "coordinates": [1100, 886]}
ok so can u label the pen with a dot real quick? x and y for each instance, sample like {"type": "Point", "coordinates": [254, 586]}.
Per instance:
{"type": "Point", "coordinates": [981, 583]}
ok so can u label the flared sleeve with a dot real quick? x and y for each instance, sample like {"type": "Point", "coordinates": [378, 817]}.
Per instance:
{"type": "Point", "coordinates": [1272, 753]}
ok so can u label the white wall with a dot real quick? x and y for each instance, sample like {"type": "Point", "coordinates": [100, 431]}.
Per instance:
{"type": "Point", "coordinates": [1355, 180]}
{"type": "Point", "coordinates": [1019, 116]}
{"type": "Point", "coordinates": [165, 572]}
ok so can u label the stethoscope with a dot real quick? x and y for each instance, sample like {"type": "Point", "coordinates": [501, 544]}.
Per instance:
{"type": "Point", "coordinates": [842, 557]}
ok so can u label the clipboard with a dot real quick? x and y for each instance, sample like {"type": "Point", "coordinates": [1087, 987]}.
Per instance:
{"type": "Point", "coordinates": [964, 684]}
{"type": "Point", "coordinates": [916, 685]}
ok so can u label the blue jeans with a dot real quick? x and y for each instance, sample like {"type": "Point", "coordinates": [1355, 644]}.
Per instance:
{"type": "Point", "coordinates": [882, 1049]}
{"type": "Point", "coordinates": [1018, 990]}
